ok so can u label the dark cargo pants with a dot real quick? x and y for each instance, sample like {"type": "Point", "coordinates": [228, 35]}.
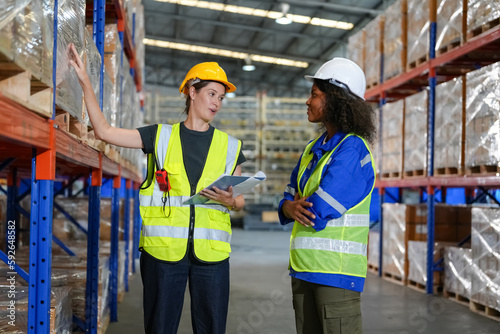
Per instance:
{"type": "Point", "coordinates": [321, 309]}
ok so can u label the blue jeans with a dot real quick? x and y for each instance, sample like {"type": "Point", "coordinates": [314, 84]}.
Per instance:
{"type": "Point", "coordinates": [164, 284]}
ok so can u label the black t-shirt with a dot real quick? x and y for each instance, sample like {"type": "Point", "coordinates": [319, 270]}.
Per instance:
{"type": "Point", "coordinates": [195, 146]}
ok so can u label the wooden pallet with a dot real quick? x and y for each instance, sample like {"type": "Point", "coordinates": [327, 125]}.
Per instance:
{"type": "Point", "coordinates": [394, 278]}
{"type": "Point", "coordinates": [23, 88]}
{"type": "Point", "coordinates": [457, 298]}
{"type": "Point", "coordinates": [483, 28]}
{"type": "Point", "coordinates": [390, 175]}
{"type": "Point", "coordinates": [373, 268]}
{"type": "Point", "coordinates": [483, 170]}
{"type": "Point", "coordinates": [436, 289]}
{"type": "Point", "coordinates": [484, 310]}
{"type": "Point", "coordinates": [415, 173]}
{"type": "Point", "coordinates": [451, 171]}
{"type": "Point", "coordinates": [71, 124]}
{"type": "Point", "coordinates": [448, 47]}
{"type": "Point", "coordinates": [418, 61]}
{"type": "Point", "coordinates": [372, 84]}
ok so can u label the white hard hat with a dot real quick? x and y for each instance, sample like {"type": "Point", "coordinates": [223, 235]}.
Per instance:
{"type": "Point", "coordinates": [343, 73]}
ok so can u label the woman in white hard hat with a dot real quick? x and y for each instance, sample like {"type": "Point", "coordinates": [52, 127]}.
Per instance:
{"type": "Point", "coordinates": [328, 199]}
{"type": "Point", "coordinates": [182, 242]}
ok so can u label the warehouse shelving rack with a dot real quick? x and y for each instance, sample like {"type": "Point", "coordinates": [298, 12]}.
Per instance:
{"type": "Point", "coordinates": [476, 52]}
{"type": "Point", "coordinates": [34, 147]}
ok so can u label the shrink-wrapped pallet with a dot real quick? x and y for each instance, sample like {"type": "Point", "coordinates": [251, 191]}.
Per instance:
{"type": "Point", "coordinates": [70, 29]}
{"type": "Point", "coordinates": [418, 31]}
{"type": "Point", "coordinates": [482, 142]}
{"type": "Point", "coordinates": [395, 39]}
{"type": "Point", "coordinates": [93, 66]}
{"type": "Point", "coordinates": [375, 146]}
{"type": "Point", "coordinates": [417, 263]}
{"type": "Point", "coordinates": [480, 13]}
{"type": "Point", "coordinates": [458, 271]}
{"type": "Point", "coordinates": [448, 125]}
{"type": "Point", "coordinates": [356, 48]}
{"type": "Point", "coordinates": [485, 244]}
{"type": "Point", "coordinates": [449, 27]}
{"type": "Point", "coordinates": [112, 62]}
{"type": "Point", "coordinates": [108, 98]}
{"type": "Point", "coordinates": [394, 248]}
{"type": "Point", "coordinates": [373, 248]}
{"type": "Point", "coordinates": [26, 36]}
{"type": "Point", "coordinates": [140, 50]}
{"type": "Point", "coordinates": [415, 137]}
{"type": "Point", "coordinates": [373, 50]}
{"type": "Point", "coordinates": [392, 137]}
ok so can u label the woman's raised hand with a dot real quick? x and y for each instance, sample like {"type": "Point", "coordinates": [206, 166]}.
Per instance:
{"type": "Point", "coordinates": [78, 65]}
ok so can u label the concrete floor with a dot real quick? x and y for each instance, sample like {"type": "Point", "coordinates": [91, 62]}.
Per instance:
{"type": "Point", "coordinates": [260, 300]}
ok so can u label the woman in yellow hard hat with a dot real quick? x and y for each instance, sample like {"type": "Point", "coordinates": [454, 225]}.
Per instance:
{"type": "Point", "coordinates": [181, 242]}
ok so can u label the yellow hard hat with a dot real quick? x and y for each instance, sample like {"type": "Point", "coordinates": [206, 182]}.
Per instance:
{"type": "Point", "coordinates": [207, 71]}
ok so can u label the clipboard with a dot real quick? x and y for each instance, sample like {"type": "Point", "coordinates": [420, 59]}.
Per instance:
{"type": "Point", "coordinates": [241, 185]}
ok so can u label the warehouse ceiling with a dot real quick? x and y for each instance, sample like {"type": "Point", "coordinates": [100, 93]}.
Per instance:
{"type": "Point", "coordinates": [217, 27]}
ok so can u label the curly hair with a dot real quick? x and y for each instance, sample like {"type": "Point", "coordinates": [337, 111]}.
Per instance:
{"type": "Point", "coordinates": [346, 112]}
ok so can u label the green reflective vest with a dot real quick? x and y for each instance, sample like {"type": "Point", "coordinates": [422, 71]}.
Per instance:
{"type": "Point", "coordinates": [164, 235]}
{"type": "Point", "coordinates": [341, 247]}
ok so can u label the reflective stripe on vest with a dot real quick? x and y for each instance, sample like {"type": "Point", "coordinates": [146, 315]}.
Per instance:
{"type": "Point", "coordinates": [182, 232]}
{"type": "Point", "coordinates": [341, 247]}
{"type": "Point", "coordinates": [166, 226]}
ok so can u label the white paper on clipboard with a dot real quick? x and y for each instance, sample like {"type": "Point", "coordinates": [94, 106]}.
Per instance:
{"type": "Point", "coordinates": [241, 185]}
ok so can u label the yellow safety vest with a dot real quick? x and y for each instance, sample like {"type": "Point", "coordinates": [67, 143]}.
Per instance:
{"type": "Point", "coordinates": [166, 238]}
{"type": "Point", "coordinates": [340, 248]}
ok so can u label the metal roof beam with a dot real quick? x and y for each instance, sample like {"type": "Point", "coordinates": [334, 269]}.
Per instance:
{"type": "Point", "coordinates": [240, 26]}
{"type": "Point", "coordinates": [337, 7]}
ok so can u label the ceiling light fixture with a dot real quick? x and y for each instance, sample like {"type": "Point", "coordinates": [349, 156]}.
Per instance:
{"type": "Point", "coordinates": [225, 53]}
{"type": "Point", "coordinates": [248, 67]}
{"type": "Point", "coordinates": [261, 13]}
{"type": "Point", "coordinates": [284, 19]}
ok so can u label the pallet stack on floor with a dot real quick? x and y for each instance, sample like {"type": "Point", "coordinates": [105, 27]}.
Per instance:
{"type": "Point", "coordinates": [419, 40]}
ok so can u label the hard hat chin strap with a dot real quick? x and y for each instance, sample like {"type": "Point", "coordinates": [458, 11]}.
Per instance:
{"type": "Point", "coordinates": [341, 85]}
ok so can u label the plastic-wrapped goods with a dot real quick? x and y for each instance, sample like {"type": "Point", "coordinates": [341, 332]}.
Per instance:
{"type": "Point", "coordinates": [448, 124]}
{"type": "Point", "coordinates": [482, 142]}
{"type": "Point", "coordinates": [356, 48]}
{"type": "Point", "coordinates": [418, 31]}
{"type": "Point", "coordinates": [395, 39]}
{"type": "Point", "coordinates": [458, 271]}
{"type": "Point", "coordinates": [19, 326]}
{"type": "Point", "coordinates": [485, 240]}
{"type": "Point", "coordinates": [373, 248]}
{"type": "Point", "coordinates": [140, 55]}
{"type": "Point", "coordinates": [449, 23]}
{"type": "Point", "coordinates": [108, 97]}
{"type": "Point", "coordinates": [374, 147]}
{"type": "Point", "coordinates": [61, 313]}
{"type": "Point", "coordinates": [480, 12]}
{"type": "Point", "coordinates": [392, 137]}
{"type": "Point", "coordinates": [70, 29]}
{"type": "Point", "coordinates": [10, 9]}
{"type": "Point", "coordinates": [373, 50]}
{"type": "Point", "coordinates": [394, 248]}
{"type": "Point", "coordinates": [93, 66]}
{"type": "Point", "coordinates": [26, 36]}
{"type": "Point", "coordinates": [417, 262]}
{"type": "Point", "coordinates": [103, 301]}
{"type": "Point", "coordinates": [113, 53]}
{"type": "Point", "coordinates": [415, 137]}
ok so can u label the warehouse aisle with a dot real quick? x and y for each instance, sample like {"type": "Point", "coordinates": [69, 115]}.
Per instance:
{"type": "Point", "coordinates": [261, 299]}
